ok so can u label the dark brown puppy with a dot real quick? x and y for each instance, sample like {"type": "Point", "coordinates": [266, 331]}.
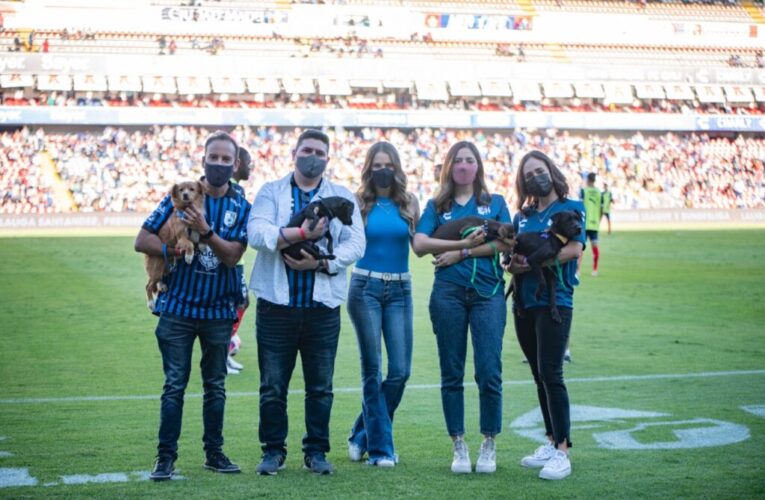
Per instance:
{"type": "Point", "coordinates": [330, 207]}
{"type": "Point", "coordinates": [542, 247]}
{"type": "Point", "coordinates": [174, 234]}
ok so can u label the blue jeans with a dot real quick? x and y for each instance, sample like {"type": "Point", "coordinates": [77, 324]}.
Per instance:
{"type": "Point", "coordinates": [452, 309]}
{"type": "Point", "coordinates": [282, 332]}
{"type": "Point", "coordinates": [175, 337]}
{"type": "Point", "coordinates": [380, 310]}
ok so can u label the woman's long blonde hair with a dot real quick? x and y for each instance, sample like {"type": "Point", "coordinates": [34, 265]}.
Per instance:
{"type": "Point", "coordinates": [366, 194]}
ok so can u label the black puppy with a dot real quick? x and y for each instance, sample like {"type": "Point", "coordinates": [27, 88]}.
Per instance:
{"type": "Point", "coordinates": [539, 248]}
{"type": "Point", "coordinates": [455, 230]}
{"type": "Point", "coordinates": [330, 207]}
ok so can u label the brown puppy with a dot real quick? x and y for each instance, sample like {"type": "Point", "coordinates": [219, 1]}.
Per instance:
{"type": "Point", "coordinates": [175, 234]}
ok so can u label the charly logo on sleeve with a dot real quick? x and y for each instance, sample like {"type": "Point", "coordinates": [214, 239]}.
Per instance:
{"type": "Point", "coordinates": [229, 218]}
{"type": "Point", "coordinates": [484, 210]}
{"type": "Point", "coordinates": [447, 216]}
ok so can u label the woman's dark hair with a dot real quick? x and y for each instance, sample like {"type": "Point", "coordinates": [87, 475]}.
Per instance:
{"type": "Point", "coordinates": [312, 133]}
{"type": "Point", "coordinates": [558, 179]}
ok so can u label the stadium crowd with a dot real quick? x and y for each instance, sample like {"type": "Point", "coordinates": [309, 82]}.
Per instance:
{"type": "Point", "coordinates": [120, 170]}
{"type": "Point", "coordinates": [25, 185]}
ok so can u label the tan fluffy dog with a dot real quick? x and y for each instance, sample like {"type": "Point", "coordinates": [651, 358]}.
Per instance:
{"type": "Point", "coordinates": [174, 233]}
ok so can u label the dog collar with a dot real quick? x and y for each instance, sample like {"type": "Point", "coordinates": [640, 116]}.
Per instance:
{"type": "Point", "coordinates": [561, 238]}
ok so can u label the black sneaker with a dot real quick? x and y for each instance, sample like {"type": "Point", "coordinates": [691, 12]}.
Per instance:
{"type": "Point", "coordinates": [271, 463]}
{"type": "Point", "coordinates": [318, 464]}
{"type": "Point", "coordinates": [163, 468]}
{"type": "Point", "coordinates": [219, 462]}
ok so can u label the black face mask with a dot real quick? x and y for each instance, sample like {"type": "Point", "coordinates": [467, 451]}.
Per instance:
{"type": "Point", "coordinates": [310, 166]}
{"type": "Point", "coordinates": [217, 175]}
{"type": "Point", "coordinates": [539, 185]}
{"type": "Point", "coordinates": [383, 178]}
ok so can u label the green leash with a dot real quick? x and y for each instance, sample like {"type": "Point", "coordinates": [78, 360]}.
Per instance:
{"type": "Point", "coordinates": [495, 263]}
{"type": "Point", "coordinates": [559, 272]}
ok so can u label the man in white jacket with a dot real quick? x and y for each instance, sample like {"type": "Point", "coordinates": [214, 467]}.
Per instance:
{"type": "Point", "coordinates": [298, 307]}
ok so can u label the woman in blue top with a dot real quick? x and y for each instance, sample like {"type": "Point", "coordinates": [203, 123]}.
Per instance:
{"type": "Point", "coordinates": [467, 291]}
{"type": "Point", "coordinates": [541, 192]}
{"type": "Point", "coordinates": [380, 301]}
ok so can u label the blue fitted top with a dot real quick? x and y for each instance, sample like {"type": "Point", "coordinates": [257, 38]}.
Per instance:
{"type": "Point", "coordinates": [387, 239]}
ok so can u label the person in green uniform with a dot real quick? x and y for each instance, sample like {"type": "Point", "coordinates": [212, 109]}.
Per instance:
{"type": "Point", "coordinates": [593, 205]}
{"type": "Point", "coordinates": [607, 199]}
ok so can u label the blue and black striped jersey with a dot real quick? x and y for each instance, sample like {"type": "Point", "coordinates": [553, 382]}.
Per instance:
{"type": "Point", "coordinates": [301, 282]}
{"type": "Point", "coordinates": [206, 288]}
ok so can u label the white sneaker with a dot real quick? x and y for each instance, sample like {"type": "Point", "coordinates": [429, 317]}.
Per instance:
{"type": "Point", "coordinates": [461, 463]}
{"type": "Point", "coordinates": [594, 273]}
{"type": "Point", "coordinates": [487, 457]}
{"type": "Point", "coordinates": [233, 364]}
{"type": "Point", "coordinates": [385, 463]}
{"type": "Point", "coordinates": [231, 371]}
{"type": "Point", "coordinates": [540, 457]}
{"type": "Point", "coordinates": [567, 356]}
{"type": "Point", "coordinates": [558, 467]}
{"type": "Point", "coordinates": [355, 453]}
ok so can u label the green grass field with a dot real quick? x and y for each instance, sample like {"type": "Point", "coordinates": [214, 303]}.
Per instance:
{"type": "Point", "coordinates": [81, 378]}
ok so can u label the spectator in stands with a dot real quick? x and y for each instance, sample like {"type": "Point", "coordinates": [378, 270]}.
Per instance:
{"type": "Point", "coordinates": [162, 42]}
{"type": "Point", "coordinates": [192, 308]}
{"type": "Point", "coordinates": [759, 60]}
{"type": "Point", "coordinates": [172, 47]}
{"type": "Point", "coordinates": [45, 46]}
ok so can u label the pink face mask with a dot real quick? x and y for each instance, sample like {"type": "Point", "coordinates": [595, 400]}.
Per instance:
{"type": "Point", "coordinates": [464, 173]}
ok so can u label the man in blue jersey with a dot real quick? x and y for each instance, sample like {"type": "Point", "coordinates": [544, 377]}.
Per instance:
{"type": "Point", "coordinates": [298, 307]}
{"type": "Point", "coordinates": [242, 173]}
{"type": "Point", "coordinates": [200, 301]}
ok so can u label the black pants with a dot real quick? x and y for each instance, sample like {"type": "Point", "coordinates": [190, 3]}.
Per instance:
{"type": "Point", "coordinates": [544, 342]}
{"type": "Point", "coordinates": [282, 332]}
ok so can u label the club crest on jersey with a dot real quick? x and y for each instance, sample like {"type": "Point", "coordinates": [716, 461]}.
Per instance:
{"type": "Point", "coordinates": [447, 216]}
{"type": "Point", "coordinates": [484, 210]}
{"type": "Point", "coordinates": [229, 219]}
{"type": "Point", "coordinates": [207, 258]}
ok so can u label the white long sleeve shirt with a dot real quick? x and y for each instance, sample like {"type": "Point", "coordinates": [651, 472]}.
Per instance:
{"type": "Point", "coordinates": [271, 210]}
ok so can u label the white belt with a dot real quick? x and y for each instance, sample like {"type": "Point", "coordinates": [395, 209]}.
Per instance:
{"type": "Point", "coordinates": [383, 276]}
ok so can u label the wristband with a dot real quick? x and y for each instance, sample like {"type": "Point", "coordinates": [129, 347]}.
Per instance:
{"type": "Point", "coordinates": [281, 233]}
{"type": "Point", "coordinates": [302, 233]}
{"type": "Point", "coordinates": [465, 253]}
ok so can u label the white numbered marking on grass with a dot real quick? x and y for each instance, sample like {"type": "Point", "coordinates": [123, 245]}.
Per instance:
{"type": "Point", "coordinates": [692, 433]}
{"type": "Point", "coordinates": [10, 477]}
{"type": "Point", "coordinates": [114, 477]}
{"type": "Point", "coordinates": [143, 475]}
{"type": "Point", "coordinates": [758, 410]}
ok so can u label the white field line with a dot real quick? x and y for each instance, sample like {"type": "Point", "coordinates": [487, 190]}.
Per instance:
{"type": "Point", "coordinates": [618, 378]}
